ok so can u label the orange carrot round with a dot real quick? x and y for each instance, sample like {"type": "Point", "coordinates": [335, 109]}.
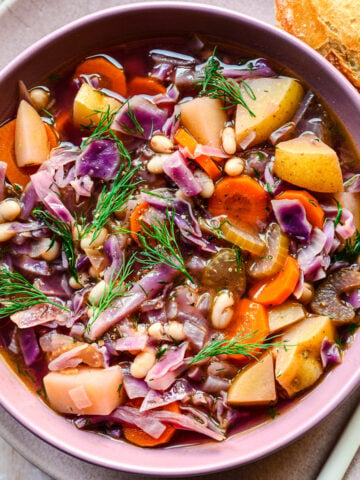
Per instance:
{"type": "Point", "coordinates": [139, 437]}
{"type": "Point", "coordinates": [145, 86]}
{"type": "Point", "coordinates": [280, 287]}
{"type": "Point", "coordinates": [112, 75]}
{"type": "Point", "coordinates": [136, 220]}
{"type": "Point", "coordinates": [249, 318]}
{"type": "Point", "coordinates": [242, 199]}
{"type": "Point", "coordinates": [314, 213]}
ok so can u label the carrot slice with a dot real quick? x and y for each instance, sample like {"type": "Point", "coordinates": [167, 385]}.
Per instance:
{"type": "Point", "coordinates": [145, 86]}
{"type": "Point", "coordinates": [52, 136]}
{"type": "Point", "coordinates": [185, 140]}
{"type": "Point", "coordinates": [136, 220]}
{"type": "Point", "coordinates": [14, 174]}
{"type": "Point", "coordinates": [280, 287]}
{"type": "Point", "coordinates": [112, 75]}
{"type": "Point", "coordinates": [314, 213]}
{"type": "Point", "coordinates": [242, 199]}
{"type": "Point", "coordinates": [249, 318]}
{"type": "Point", "coordinates": [139, 437]}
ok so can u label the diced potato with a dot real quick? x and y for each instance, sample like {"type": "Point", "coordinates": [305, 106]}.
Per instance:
{"type": "Point", "coordinates": [31, 141]}
{"type": "Point", "coordinates": [276, 100]}
{"type": "Point", "coordinates": [299, 366]}
{"type": "Point", "coordinates": [351, 201]}
{"type": "Point", "coordinates": [85, 391]}
{"type": "Point", "coordinates": [308, 162]}
{"type": "Point", "coordinates": [205, 119]}
{"type": "Point", "coordinates": [285, 315]}
{"type": "Point", "coordinates": [255, 384]}
{"type": "Point", "coordinates": [87, 100]}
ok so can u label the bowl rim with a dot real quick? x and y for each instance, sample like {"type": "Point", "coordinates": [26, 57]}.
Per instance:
{"type": "Point", "coordinates": [339, 394]}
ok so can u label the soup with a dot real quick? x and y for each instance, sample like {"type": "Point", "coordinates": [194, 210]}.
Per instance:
{"type": "Point", "coordinates": [179, 241]}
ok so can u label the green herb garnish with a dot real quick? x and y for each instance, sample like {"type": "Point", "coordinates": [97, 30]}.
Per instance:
{"type": "Point", "coordinates": [160, 245]}
{"type": "Point", "coordinates": [238, 345]}
{"type": "Point", "coordinates": [339, 212]}
{"type": "Point", "coordinates": [116, 288]}
{"type": "Point", "coordinates": [17, 293]}
{"type": "Point", "coordinates": [64, 231]}
{"type": "Point", "coordinates": [350, 250]}
{"type": "Point", "coordinates": [215, 85]}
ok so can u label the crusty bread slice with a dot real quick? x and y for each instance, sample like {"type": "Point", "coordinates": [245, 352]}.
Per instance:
{"type": "Point", "coordinates": [332, 27]}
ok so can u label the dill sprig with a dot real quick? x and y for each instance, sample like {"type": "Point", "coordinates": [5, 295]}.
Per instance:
{"type": "Point", "coordinates": [111, 199]}
{"type": "Point", "coordinates": [117, 287]}
{"type": "Point", "coordinates": [137, 128]}
{"type": "Point", "coordinates": [350, 250]}
{"type": "Point", "coordinates": [64, 231]}
{"type": "Point", "coordinates": [159, 244]}
{"type": "Point", "coordinates": [17, 293]}
{"type": "Point", "coordinates": [239, 345]}
{"type": "Point", "coordinates": [215, 85]}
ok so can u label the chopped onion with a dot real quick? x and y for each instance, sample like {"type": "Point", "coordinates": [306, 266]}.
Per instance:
{"type": "Point", "coordinates": [329, 353]}
{"type": "Point", "coordinates": [176, 168]}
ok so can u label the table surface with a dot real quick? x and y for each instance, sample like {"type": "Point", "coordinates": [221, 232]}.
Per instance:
{"type": "Point", "coordinates": [22, 22]}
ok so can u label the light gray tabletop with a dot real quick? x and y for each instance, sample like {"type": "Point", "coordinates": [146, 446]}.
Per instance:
{"type": "Point", "coordinates": [21, 23]}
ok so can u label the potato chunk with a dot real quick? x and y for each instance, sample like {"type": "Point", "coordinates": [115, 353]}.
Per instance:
{"type": "Point", "coordinates": [308, 162]}
{"type": "Point", "coordinates": [89, 391]}
{"type": "Point", "coordinates": [255, 384]}
{"type": "Point", "coordinates": [31, 141]}
{"type": "Point", "coordinates": [285, 315]}
{"type": "Point", "coordinates": [299, 366]}
{"type": "Point", "coordinates": [205, 119]}
{"type": "Point", "coordinates": [87, 100]}
{"type": "Point", "coordinates": [276, 100]}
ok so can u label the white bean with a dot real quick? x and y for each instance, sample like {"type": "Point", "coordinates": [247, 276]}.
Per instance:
{"type": "Point", "coordinates": [9, 210]}
{"type": "Point", "coordinates": [88, 242]}
{"type": "Point", "coordinates": [234, 166]}
{"type": "Point", "coordinates": [6, 232]}
{"type": "Point", "coordinates": [175, 330]}
{"type": "Point", "coordinates": [229, 140]}
{"type": "Point", "coordinates": [95, 272]}
{"type": "Point", "coordinates": [39, 97]}
{"type": "Point", "coordinates": [161, 144]}
{"type": "Point", "coordinates": [97, 292]}
{"type": "Point", "coordinates": [156, 330]}
{"type": "Point", "coordinates": [207, 185]}
{"type": "Point", "coordinates": [142, 363]}
{"type": "Point", "coordinates": [307, 293]}
{"type": "Point", "coordinates": [52, 251]}
{"type": "Point", "coordinates": [222, 311]}
{"type": "Point", "coordinates": [156, 164]}
{"type": "Point", "coordinates": [77, 285]}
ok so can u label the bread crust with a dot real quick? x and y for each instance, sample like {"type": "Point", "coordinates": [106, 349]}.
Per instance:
{"type": "Point", "coordinates": [332, 27]}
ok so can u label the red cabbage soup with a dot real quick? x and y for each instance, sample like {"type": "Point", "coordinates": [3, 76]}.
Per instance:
{"type": "Point", "coordinates": [179, 241]}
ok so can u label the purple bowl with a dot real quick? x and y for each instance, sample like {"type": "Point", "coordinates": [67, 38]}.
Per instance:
{"type": "Point", "coordinates": [134, 22]}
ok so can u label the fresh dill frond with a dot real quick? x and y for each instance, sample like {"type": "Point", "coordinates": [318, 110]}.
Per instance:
{"type": "Point", "coordinates": [64, 231]}
{"type": "Point", "coordinates": [117, 287]}
{"type": "Point", "coordinates": [17, 293]}
{"type": "Point", "coordinates": [112, 198]}
{"type": "Point", "coordinates": [215, 85]}
{"type": "Point", "coordinates": [137, 129]}
{"type": "Point", "coordinates": [160, 244]}
{"type": "Point", "coordinates": [241, 344]}
{"type": "Point", "coordinates": [339, 213]}
{"type": "Point", "coordinates": [350, 250]}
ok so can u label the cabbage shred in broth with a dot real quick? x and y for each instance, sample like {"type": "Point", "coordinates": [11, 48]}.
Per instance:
{"type": "Point", "coordinates": [177, 233]}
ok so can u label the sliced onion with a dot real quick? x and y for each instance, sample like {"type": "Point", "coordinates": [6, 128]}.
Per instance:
{"type": "Point", "coordinates": [277, 250]}
{"type": "Point", "coordinates": [244, 238]}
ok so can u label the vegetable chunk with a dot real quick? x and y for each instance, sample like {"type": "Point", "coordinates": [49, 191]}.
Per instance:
{"type": "Point", "coordinates": [255, 384]}
{"type": "Point", "coordinates": [89, 391]}
{"type": "Point", "coordinates": [205, 118]}
{"type": "Point", "coordinates": [31, 140]}
{"type": "Point", "coordinates": [299, 366]}
{"type": "Point", "coordinates": [89, 99]}
{"type": "Point", "coordinates": [285, 315]}
{"type": "Point", "coordinates": [308, 162]}
{"type": "Point", "coordinates": [275, 104]}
